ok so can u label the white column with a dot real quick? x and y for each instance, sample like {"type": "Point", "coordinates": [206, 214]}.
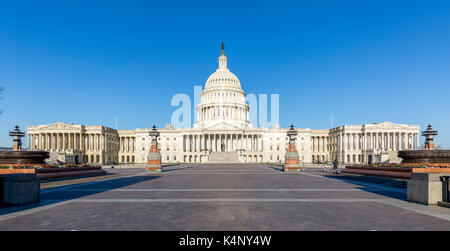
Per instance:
{"type": "Point", "coordinates": [58, 142]}
{"type": "Point", "coordinates": [40, 141]}
{"type": "Point", "coordinates": [316, 144]}
{"type": "Point", "coordinates": [188, 149]}
{"type": "Point", "coordinates": [418, 144]}
{"type": "Point", "coordinates": [196, 143]}
{"type": "Point", "coordinates": [401, 141]}
{"type": "Point", "coordinates": [395, 142]}
{"type": "Point", "coordinates": [46, 146]}
{"type": "Point", "coordinates": [409, 141]}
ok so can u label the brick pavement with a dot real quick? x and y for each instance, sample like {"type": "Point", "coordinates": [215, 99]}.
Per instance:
{"type": "Point", "coordinates": [224, 197]}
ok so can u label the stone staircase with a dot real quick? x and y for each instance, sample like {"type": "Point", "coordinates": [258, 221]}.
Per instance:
{"type": "Point", "coordinates": [223, 157]}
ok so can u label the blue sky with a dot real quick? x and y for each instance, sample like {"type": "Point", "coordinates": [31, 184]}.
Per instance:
{"type": "Point", "coordinates": [89, 61]}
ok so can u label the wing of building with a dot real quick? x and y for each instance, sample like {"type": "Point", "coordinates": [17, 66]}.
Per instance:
{"type": "Point", "coordinates": [223, 133]}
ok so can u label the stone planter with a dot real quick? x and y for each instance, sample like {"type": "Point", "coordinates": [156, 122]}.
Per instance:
{"type": "Point", "coordinates": [387, 172]}
{"type": "Point", "coordinates": [392, 172]}
{"type": "Point", "coordinates": [19, 189]}
{"type": "Point", "coordinates": [425, 188]}
{"type": "Point", "coordinates": [57, 172]}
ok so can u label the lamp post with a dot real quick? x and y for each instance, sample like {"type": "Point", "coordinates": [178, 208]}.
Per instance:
{"type": "Point", "coordinates": [17, 138]}
{"type": "Point", "coordinates": [429, 140]}
{"type": "Point", "coordinates": [154, 156]}
{"type": "Point", "coordinates": [291, 158]}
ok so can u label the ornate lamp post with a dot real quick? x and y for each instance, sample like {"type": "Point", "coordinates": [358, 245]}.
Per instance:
{"type": "Point", "coordinates": [429, 134]}
{"type": "Point", "coordinates": [154, 156]}
{"type": "Point", "coordinates": [17, 138]}
{"type": "Point", "coordinates": [291, 158]}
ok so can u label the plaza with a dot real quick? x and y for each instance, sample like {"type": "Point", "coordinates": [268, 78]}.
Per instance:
{"type": "Point", "coordinates": [224, 197]}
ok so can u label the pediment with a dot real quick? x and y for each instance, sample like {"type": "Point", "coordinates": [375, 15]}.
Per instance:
{"type": "Point", "coordinates": [60, 126]}
{"type": "Point", "coordinates": [223, 127]}
{"type": "Point", "coordinates": [386, 125]}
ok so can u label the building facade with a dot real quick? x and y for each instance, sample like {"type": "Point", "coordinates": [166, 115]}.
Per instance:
{"type": "Point", "coordinates": [223, 126]}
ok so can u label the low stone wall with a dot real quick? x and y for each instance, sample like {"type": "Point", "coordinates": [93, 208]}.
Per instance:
{"type": "Point", "coordinates": [18, 170]}
{"type": "Point", "coordinates": [393, 172]}
{"type": "Point", "coordinates": [425, 188]}
{"type": "Point", "coordinates": [19, 189]}
{"type": "Point", "coordinates": [57, 172]}
{"type": "Point", "coordinates": [386, 172]}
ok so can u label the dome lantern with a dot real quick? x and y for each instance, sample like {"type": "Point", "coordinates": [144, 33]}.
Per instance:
{"type": "Point", "coordinates": [223, 60]}
{"type": "Point", "coordinates": [223, 77]}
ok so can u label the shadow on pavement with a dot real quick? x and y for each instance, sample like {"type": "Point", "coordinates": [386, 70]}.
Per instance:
{"type": "Point", "coordinates": [383, 186]}
{"type": "Point", "coordinates": [64, 193]}
{"type": "Point", "coordinates": [176, 169]}
{"type": "Point", "coordinates": [276, 168]}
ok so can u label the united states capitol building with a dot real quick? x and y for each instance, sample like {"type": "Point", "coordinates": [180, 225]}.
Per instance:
{"type": "Point", "coordinates": [223, 132]}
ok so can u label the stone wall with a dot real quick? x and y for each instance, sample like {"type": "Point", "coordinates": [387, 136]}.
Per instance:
{"type": "Point", "coordinates": [19, 189]}
{"type": "Point", "coordinates": [425, 188]}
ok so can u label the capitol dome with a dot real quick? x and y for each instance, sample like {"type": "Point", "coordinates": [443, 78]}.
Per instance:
{"type": "Point", "coordinates": [220, 79]}
{"type": "Point", "coordinates": [223, 77]}
{"type": "Point", "coordinates": [222, 100]}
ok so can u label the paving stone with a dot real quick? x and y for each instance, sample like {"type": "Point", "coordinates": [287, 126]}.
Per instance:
{"type": "Point", "coordinates": [225, 197]}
